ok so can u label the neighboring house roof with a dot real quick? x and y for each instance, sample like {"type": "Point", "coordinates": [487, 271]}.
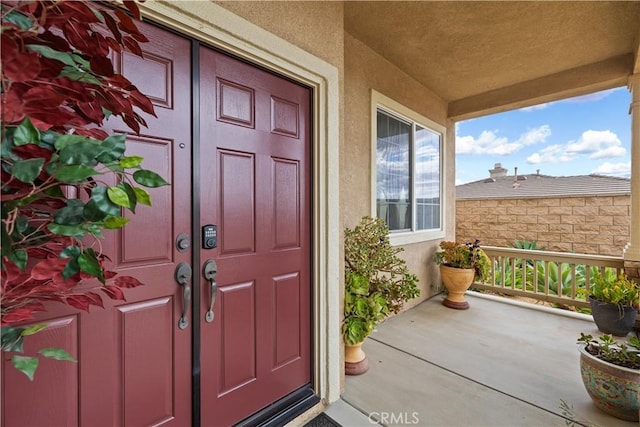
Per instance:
{"type": "Point", "coordinates": [536, 185]}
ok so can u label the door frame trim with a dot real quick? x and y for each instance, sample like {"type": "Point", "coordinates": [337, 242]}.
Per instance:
{"type": "Point", "coordinates": [221, 28]}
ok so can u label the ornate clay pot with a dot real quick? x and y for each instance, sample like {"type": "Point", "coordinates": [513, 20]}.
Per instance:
{"type": "Point", "coordinates": [457, 281]}
{"type": "Point", "coordinates": [613, 389]}
{"type": "Point", "coordinates": [612, 318]}
{"type": "Point", "coordinates": [355, 360]}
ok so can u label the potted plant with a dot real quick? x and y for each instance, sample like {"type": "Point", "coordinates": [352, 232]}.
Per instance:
{"type": "Point", "coordinates": [58, 86]}
{"type": "Point", "coordinates": [614, 301]}
{"type": "Point", "coordinates": [611, 374]}
{"type": "Point", "coordinates": [460, 264]}
{"type": "Point", "coordinates": [377, 283]}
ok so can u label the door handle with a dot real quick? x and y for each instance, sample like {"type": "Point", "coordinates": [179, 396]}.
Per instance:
{"type": "Point", "coordinates": [183, 277]}
{"type": "Point", "coordinates": [210, 269]}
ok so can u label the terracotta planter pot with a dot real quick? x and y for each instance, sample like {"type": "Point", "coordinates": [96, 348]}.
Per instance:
{"type": "Point", "coordinates": [355, 360]}
{"type": "Point", "coordinates": [457, 281]}
{"type": "Point", "coordinates": [613, 389]}
{"type": "Point", "coordinates": [612, 318]}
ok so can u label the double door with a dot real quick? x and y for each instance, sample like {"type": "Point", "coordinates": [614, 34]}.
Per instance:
{"type": "Point", "coordinates": [224, 315]}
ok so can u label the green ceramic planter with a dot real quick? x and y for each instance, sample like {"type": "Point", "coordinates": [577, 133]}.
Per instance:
{"type": "Point", "coordinates": [612, 388]}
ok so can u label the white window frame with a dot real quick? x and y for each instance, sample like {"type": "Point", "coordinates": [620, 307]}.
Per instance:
{"type": "Point", "coordinates": [388, 105]}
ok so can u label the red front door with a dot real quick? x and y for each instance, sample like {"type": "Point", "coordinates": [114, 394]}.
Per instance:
{"type": "Point", "coordinates": [255, 175]}
{"type": "Point", "coordinates": [134, 362]}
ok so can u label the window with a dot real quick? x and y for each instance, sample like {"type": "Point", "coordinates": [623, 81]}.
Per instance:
{"type": "Point", "coordinates": [408, 173]}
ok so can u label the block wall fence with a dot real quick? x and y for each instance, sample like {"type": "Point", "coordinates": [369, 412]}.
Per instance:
{"type": "Point", "coordinates": [597, 225]}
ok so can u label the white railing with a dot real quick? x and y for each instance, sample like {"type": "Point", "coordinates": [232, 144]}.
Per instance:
{"type": "Point", "coordinates": [557, 277]}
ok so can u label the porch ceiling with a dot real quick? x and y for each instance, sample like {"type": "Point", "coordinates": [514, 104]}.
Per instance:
{"type": "Point", "coordinates": [484, 56]}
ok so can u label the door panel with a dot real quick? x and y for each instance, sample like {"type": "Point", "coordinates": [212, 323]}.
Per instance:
{"type": "Point", "coordinates": [134, 363]}
{"type": "Point", "coordinates": [255, 186]}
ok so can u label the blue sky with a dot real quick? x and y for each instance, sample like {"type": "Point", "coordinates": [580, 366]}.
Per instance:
{"type": "Point", "coordinates": [576, 136]}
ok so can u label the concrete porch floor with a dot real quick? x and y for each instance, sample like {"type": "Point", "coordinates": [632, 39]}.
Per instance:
{"type": "Point", "coordinates": [496, 364]}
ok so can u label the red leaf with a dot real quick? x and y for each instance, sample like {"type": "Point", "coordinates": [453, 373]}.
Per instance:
{"type": "Point", "coordinates": [54, 41]}
{"type": "Point", "coordinates": [12, 106]}
{"type": "Point", "coordinates": [133, 8]}
{"type": "Point", "coordinates": [23, 67]}
{"type": "Point", "coordinates": [21, 314]}
{"type": "Point", "coordinates": [46, 269]}
{"type": "Point", "coordinates": [113, 292]}
{"type": "Point", "coordinates": [132, 45]}
{"type": "Point", "coordinates": [127, 282]}
{"type": "Point", "coordinates": [109, 274]}
{"type": "Point", "coordinates": [93, 133]}
{"type": "Point", "coordinates": [101, 65]}
{"type": "Point", "coordinates": [126, 23]}
{"type": "Point", "coordinates": [31, 151]}
{"type": "Point", "coordinates": [113, 27]}
{"type": "Point", "coordinates": [81, 302]}
{"type": "Point", "coordinates": [142, 101]}
{"type": "Point", "coordinates": [94, 299]}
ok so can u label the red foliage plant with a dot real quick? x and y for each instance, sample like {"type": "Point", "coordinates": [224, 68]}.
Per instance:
{"type": "Point", "coordinates": [58, 87]}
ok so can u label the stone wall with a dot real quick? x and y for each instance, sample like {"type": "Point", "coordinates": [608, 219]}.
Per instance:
{"type": "Point", "coordinates": [590, 225]}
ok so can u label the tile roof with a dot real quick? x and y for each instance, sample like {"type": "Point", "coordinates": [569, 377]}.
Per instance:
{"type": "Point", "coordinates": [535, 185]}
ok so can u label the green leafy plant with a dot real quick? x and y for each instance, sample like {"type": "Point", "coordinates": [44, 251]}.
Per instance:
{"type": "Point", "coordinates": [64, 180]}
{"type": "Point", "coordinates": [617, 290]}
{"type": "Point", "coordinates": [464, 255]}
{"type": "Point", "coordinates": [606, 348]}
{"type": "Point", "coordinates": [377, 280]}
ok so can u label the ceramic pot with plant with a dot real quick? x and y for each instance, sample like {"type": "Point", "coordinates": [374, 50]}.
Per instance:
{"type": "Point", "coordinates": [614, 302]}
{"type": "Point", "coordinates": [611, 374]}
{"type": "Point", "coordinates": [461, 264]}
{"type": "Point", "coordinates": [377, 283]}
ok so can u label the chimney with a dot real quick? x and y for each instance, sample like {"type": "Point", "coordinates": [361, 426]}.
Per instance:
{"type": "Point", "coordinates": [497, 171]}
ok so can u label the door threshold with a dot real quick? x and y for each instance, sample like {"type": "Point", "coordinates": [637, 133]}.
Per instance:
{"type": "Point", "coordinates": [284, 410]}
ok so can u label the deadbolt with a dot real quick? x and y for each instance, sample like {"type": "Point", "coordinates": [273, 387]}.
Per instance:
{"type": "Point", "coordinates": [183, 242]}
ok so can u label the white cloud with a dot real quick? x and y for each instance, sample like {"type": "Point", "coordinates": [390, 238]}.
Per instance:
{"type": "Point", "coordinates": [490, 143]}
{"type": "Point", "coordinates": [616, 169]}
{"type": "Point", "coordinates": [596, 144]}
{"type": "Point", "coordinates": [535, 107]}
{"type": "Point", "coordinates": [591, 97]}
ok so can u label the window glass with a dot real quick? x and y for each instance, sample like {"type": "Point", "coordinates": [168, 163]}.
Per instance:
{"type": "Point", "coordinates": [393, 172]}
{"type": "Point", "coordinates": [408, 174]}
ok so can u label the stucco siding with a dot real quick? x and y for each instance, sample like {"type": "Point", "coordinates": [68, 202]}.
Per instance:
{"type": "Point", "coordinates": [366, 70]}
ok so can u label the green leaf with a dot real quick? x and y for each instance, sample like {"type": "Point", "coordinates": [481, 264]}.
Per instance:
{"type": "Point", "coordinates": [57, 354]}
{"type": "Point", "coordinates": [54, 192]}
{"type": "Point", "coordinates": [142, 196]}
{"type": "Point", "coordinates": [19, 258]}
{"type": "Point", "coordinates": [12, 339]}
{"type": "Point", "coordinates": [70, 174]}
{"type": "Point", "coordinates": [112, 222]}
{"type": "Point", "coordinates": [66, 230]}
{"type": "Point", "coordinates": [50, 53]}
{"type": "Point", "coordinates": [26, 365]}
{"type": "Point", "coordinates": [118, 196]}
{"type": "Point", "coordinates": [22, 223]}
{"type": "Point", "coordinates": [28, 170]}
{"type": "Point", "coordinates": [72, 267]}
{"type": "Point", "coordinates": [70, 215]}
{"type": "Point", "coordinates": [19, 19]}
{"type": "Point", "coordinates": [114, 148]}
{"type": "Point", "coordinates": [32, 330]}
{"type": "Point", "coordinates": [63, 141]}
{"type": "Point", "coordinates": [99, 207]}
{"type": "Point", "coordinates": [131, 194]}
{"type": "Point", "coordinates": [90, 265]}
{"type": "Point", "coordinates": [82, 153]}
{"type": "Point", "coordinates": [131, 161]}
{"type": "Point", "coordinates": [26, 133]}
{"type": "Point", "coordinates": [78, 75]}
{"type": "Point", "coordinates": [149, 179]}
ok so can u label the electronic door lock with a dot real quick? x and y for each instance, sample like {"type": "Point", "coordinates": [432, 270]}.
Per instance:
{"type": "Point", "coordinates": [209, 236]}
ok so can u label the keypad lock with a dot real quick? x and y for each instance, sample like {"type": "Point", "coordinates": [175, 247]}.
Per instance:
{"type": "Point", "coordinates": [209, 236]}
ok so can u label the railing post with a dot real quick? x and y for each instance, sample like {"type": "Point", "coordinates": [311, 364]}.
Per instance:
{"type": "Point", "coordinates": [632, 250]}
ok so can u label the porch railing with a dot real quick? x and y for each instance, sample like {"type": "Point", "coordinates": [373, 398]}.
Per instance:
{"type": "Point", "coordinates": [556, 277]}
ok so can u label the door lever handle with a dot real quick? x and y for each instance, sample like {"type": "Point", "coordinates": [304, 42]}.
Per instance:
{"type": "Point", "coordinates": [210, 269]}
{"type": "Point", "coordinates": [183, 277]}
